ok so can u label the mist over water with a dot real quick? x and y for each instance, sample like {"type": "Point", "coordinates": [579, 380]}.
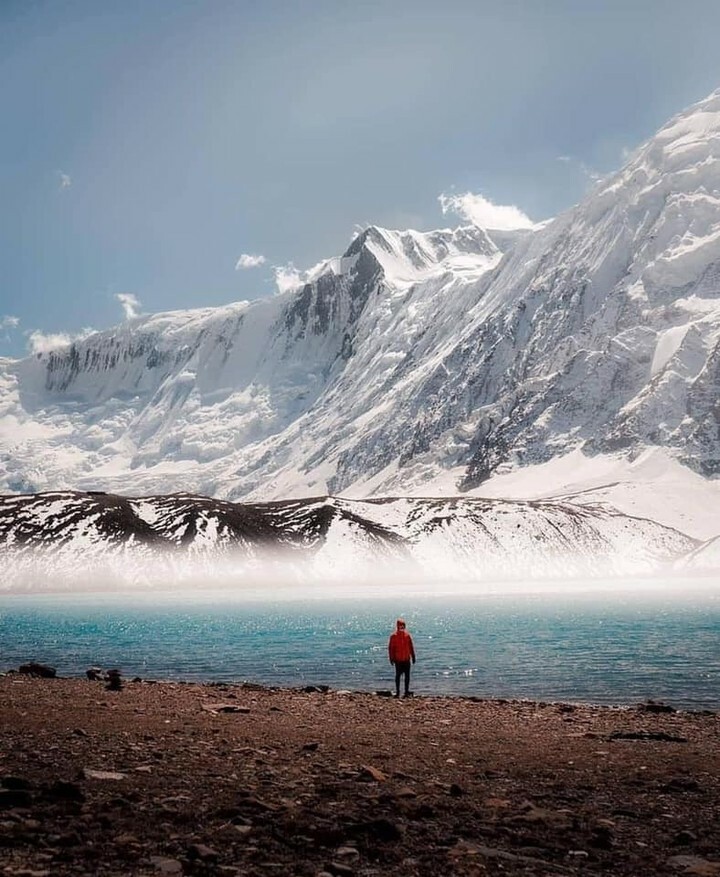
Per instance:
{"type": "Point", "coordinates": [603, 647]}
{"type": "Point", "coordinates": [344, 566]}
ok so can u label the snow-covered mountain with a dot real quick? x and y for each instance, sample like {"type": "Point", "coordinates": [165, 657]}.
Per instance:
{"type": "Point", "coordinates": [414, 360]}
{"type": "Point", "coordinates": [78, 540]}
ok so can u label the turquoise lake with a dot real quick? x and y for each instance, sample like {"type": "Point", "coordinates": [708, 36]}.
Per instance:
{"type": "Point", "coordinates": [596, 648]}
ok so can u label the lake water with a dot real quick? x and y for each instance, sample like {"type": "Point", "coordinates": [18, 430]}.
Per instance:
{"type": "Point", "coordinates": [597, 648]}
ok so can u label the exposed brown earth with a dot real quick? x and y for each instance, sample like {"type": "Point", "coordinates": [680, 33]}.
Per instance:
{"type": "Point", "coordinates": [173, 778]}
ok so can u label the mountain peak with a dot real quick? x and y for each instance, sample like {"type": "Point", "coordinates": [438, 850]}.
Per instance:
{"type": "Point", "coordinates": [692, 136]}
{"type": "Point", "coordinates": [683, 156]}
{"type": "Point", "coordinates": [409, 256]}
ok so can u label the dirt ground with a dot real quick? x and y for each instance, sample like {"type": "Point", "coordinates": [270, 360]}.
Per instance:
{"type": "Point", "coordinates": [172, 778]}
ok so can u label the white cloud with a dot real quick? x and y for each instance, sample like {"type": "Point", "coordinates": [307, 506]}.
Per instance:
{"type": "Point", "coordinates": [8, 322]}
{"type": "Point", "coordinates": [483, 213]}
{"type": "Point", "coordinates": [130, 304]}
{"type": "Point", "coordinates": [287, 277]}
{"type": "Point", "coordinates": [65, 180]}
{"type": "Point", "coordinates": [564, 158]}
{"type": "Point", "coordinates": [42, 342]}
{"type": "Point", "coordinates": [248, 260]}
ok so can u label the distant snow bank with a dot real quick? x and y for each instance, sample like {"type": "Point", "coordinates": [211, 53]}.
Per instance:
{"type": "Point", "coordinates": [705, 558]}
{"type": "Point", "coordinates": [80, 542]}
{"type": "Point", "coordinates": [653, 486]}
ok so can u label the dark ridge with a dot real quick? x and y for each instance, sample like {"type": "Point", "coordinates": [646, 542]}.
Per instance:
{"type": "Point", "coordinates": [181, 520]}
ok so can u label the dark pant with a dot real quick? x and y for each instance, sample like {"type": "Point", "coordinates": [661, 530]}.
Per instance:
{"type": "Point", "coordinates": [402, 668]}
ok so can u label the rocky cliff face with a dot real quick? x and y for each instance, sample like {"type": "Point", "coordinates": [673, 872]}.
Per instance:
{"type": "Point", "coordinates": [411, 355]}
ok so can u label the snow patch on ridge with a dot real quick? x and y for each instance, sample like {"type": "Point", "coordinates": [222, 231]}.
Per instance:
{"type": "Point", "coordinates": [668, 344]}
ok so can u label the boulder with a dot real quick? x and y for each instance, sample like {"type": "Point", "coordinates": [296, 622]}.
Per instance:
{"type": "Point", "coordinates": [202, 853]}
{"type": "Point", "coordinates": [41, 671]}
{"type": "Point", "coordinates": [114, 680]}
{"type": "Point", "coordinates": [656, 706]}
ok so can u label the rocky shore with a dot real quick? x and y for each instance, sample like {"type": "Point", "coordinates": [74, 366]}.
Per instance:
{"type": "Point", "coordinates": [171, 778]}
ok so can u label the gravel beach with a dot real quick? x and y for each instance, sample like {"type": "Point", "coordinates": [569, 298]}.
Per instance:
{"type": "Point", "coordinates": [174, 778]}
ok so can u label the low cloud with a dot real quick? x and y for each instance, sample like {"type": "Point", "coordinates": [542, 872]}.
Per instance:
{"type": "Point", "coordinates": [44, 342]}
{"type": "Point", "coordinates": [130, 304]}
{"type": "Point", "coordinates": [248, 260]}
{"type": "Point", "coordinates": [483, 213]}
{"type": "Point", "coordinates": [287, 277]}
{"type": "Point", "coordinates": [7, 324]}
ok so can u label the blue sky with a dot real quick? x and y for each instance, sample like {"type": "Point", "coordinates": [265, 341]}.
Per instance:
{"type": "Point", "coordinates": [147, 144]}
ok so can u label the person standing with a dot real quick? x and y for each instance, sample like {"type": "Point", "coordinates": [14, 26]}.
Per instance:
{"type": "Point", "coordinates": [401, 652]}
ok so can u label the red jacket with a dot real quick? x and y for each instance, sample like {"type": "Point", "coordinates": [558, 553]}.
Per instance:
{"type": "Point", "coordinates": [400, 647]}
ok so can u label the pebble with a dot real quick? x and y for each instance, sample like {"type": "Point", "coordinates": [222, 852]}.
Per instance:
{"type": "Point", "coordinates": [166, 866]}
{"type": "Point", "coordinates": [103, 774]}
{"type": "Point", "coordinates": [695, 865]}
{"type": "Point", "coordinates": [374, 773]}
{"type": "Point", "coordinates": [203, 853]}
{"type": "Point", "coordinates": [347, 853]}
{"type": "Point", "coordinates": [684, 838]}
{"type": "Point", "coordinates": [340, 870]}
{"type": "Point", "coordinates": [225, 708]}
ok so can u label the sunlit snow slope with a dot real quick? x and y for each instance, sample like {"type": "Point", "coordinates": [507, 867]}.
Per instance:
{"type": "Point", "coordinates": [466, 352]}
